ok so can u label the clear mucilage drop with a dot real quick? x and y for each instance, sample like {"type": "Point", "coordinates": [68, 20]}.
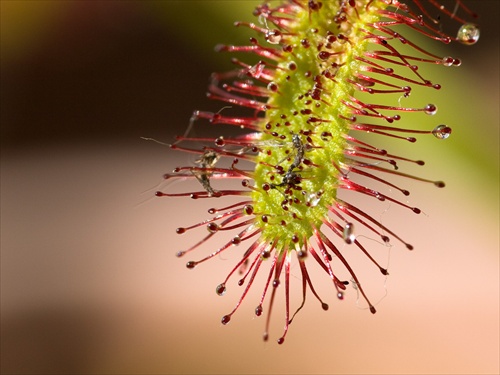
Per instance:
{"type": "Point", "coordinates": [468, 34]}
{"type": "Point", "coordinates": [441, 132]}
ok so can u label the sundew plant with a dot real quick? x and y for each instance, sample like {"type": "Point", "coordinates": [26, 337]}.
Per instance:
{"type": "Point", "coordinates": [319, 71]}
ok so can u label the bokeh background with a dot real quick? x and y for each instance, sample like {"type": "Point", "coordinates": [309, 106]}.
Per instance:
{"type": "Point", "coordinates": [89, 280]}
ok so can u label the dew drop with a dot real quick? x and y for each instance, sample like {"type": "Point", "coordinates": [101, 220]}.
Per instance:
{"type": "Point", "coordinates": [340, 295]}
{"type": "Point", "coordinates": [324, 306]}
{"type": "Point", "coordinates": [439, 184]}
{"type": "Point", "coordinates": [281, 340]}
{"type": "Point", "coordinates": [276, 283]}
{"type": "Point", "coordinates": [191, 264]}
{"type": "Point", "coordinates": [225, 319]}
{"type": "Point", "coordinates": [221, 289]}
{"type": "Point", "coordinates": [236, 240]}
{"type": "Point", "coordinates": [373, 310]}
{"type": "Point", "coordinates": [180, 230]}
{"type": "Point", "coordinates": [468, 34]}
{"type": "Point", "coordinates": [441, 132]}
{"type": "Point", "coordinates": [430, 109]}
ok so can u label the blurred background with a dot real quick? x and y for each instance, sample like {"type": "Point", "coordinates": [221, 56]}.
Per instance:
{"type": "Point", "coordinates": [89, 278]}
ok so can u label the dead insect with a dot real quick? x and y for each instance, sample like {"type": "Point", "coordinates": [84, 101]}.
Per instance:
{"type": "Point", "coordinates": [202, 173]}
{"type": "Point", "coordinates": [291, 179]}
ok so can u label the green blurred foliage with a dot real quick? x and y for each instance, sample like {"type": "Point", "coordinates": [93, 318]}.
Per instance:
{"type": "Point", "coordinates": [201, 22]}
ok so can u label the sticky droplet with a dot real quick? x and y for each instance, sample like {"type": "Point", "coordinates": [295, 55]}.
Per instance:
{"type": "Point", "coordinates": [448, 61]}
{"type": "Point", "coordinates": [221, 289]}
{"type": "Point", "coordinates": [258, 310]}
{"type": "Point", "coordinates": [212, 227]}
{"type": "Point", "coordinates": [468, 34]}
{"type": "Point", "coordinates": [272, 86]}
{"type": "Point", "coordinates": [430, 109]}
{"type": "Point", "coordinates": [348, 233]}
{"type": "Point", "coordinates": [441, 132]}
{"type": "Point", "coordinates": [219, 142]}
